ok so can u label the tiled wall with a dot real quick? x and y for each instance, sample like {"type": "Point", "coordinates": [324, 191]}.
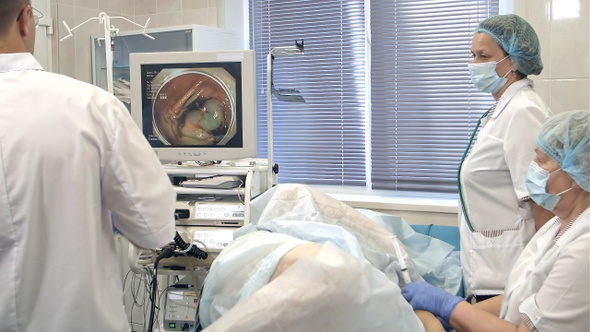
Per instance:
{"type": "Point", "coordinates": [72, 56]}
{"type": "Point", "coordinates": [565, 45]}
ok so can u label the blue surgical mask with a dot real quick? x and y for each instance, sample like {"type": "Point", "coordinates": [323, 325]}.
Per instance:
{"type": "Point", "coordinates": [485, 78]}
{"type": "Point", "coordinates": [536, 182]}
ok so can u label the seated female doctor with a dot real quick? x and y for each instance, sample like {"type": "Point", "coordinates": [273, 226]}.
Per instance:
{"type": "Point", "coordinates": [547, 288]}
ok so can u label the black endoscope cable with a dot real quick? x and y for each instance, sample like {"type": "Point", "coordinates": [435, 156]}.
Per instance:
{"type": "Point", "coordinates": [167, 251]}
{"type": "Point", "coordinates": [190, 249]}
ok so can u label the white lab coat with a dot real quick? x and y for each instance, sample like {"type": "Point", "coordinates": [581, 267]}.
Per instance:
{"type": "Point", "coordinates": [549, 281]}
{"type": "Point", "coordinates": [69, 152]}
{"type": "Point", "coordinates": [493, 185]}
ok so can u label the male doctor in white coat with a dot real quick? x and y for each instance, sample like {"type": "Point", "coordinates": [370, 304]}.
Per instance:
{"type": "Point", "coordinates": [70, 155]}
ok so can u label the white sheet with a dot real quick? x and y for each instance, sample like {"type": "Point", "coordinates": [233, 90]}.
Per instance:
{"type": "Point", "coordinates": [352, 285]}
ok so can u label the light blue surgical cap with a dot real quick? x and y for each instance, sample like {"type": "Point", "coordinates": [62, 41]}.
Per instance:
{"type": "Point", "coordinates": [517, 38]}
{"type": "Point", "coordinates": [565, 138]}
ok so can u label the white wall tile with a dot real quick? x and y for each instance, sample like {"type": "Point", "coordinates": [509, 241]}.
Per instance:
{"type": "Point", "coordinates": [570, 45]}
{"type": "Point", "coordinates": [196, 16]}
{"type": "Point", "coordinates": [145, 7]}
{"type": "Point", "coordinates": [194, 4]}
{"type": "Point", "coordinates": [564, 82]}
{"type": "Point", "coordinates": [86, 3]}
{"type": "Point", "coordinates": [538, 14]}
{"type": "Point", "coordinates": [570, 94]}
{"type": "Point", "coordinates": [66, 50]}
{"type": "Point", "coordinates": [110, 6]}
{"type": "Point", "coordinates": [165, 6]}
{"type": "Point", "coordinates": [212, 14]}
{"type": "Point", "coordinates": [64, 2]}
{"type": "Point", "coordinates": [168, 19]}
{"type": "Point", "coordinates": [220, 13]}
{"type": "Point", "coordinates": [128, 7]}
{"type": "Point", "coordinates": [543, 88]}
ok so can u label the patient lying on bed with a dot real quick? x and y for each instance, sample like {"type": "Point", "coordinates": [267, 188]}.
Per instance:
{"type": "Point", "coordinates": [310, 263]}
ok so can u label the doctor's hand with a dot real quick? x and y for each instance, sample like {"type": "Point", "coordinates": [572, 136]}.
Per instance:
{"type": "Point", "coordinates": [423, 296]}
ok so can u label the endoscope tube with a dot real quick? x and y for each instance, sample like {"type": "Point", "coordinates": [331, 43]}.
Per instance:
{"type": "Point", "coordinates": [190, 250]}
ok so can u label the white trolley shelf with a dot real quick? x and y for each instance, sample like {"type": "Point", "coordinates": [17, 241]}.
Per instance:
{"type": "Point", "coordinates": [215, 230]}
{"type": "Point", "coordinates": [253, 174]}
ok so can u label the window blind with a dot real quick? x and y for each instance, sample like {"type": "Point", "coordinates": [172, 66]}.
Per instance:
{"type": "Point", "coordinates": [321, 141]}
{"type": "Point", "coordinates": [405, 127]}
{"type": "Point", "coordinates": [424, 106]}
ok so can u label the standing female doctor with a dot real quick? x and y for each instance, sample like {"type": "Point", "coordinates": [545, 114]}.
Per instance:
{"type": "Point", "coordinates": [496, 214]}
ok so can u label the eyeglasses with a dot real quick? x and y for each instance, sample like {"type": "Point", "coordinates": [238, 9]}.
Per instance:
{"type": "Point", "coordinates": [37, 15]}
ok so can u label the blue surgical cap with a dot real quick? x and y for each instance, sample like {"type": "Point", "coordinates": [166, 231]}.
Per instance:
{"type": "Point", "coordinates": [518, 39]}
{"type": "Point", "coordinates": [565, 138]}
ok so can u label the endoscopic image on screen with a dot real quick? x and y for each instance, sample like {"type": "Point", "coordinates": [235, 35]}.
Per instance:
{"type": "Point", "coordinates": [193, 106]}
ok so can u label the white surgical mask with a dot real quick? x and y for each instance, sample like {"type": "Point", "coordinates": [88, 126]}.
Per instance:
{"type": "Point", "coordinates": [484, 76]}
{"type": "Point", "coordinates": [536, 183]}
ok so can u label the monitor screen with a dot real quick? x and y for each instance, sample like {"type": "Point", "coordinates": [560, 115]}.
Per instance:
{"type": "Point", "coordinates": [196, 106]}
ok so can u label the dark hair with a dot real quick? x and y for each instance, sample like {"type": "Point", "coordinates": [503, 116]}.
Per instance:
{"type": "Point", "coordinates": [9, 10]}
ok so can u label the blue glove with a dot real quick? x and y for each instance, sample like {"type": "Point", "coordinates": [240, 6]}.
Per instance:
{"type": "Point", "coordinates": [423, 296]}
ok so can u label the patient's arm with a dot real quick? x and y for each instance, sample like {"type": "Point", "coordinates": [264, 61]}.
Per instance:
{"type": "Point", "coordinates": [491, 305]}
{"type": "Point", "coordinates": [431, 324]}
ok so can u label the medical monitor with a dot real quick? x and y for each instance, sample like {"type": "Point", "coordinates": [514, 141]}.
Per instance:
{"type": "Point", "coordinates": [196, 106]}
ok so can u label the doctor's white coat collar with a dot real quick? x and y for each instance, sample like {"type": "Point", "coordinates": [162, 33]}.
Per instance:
{"type": "Point", "coordinates": [18, 61]}
{"type": "Point", "coordinates": [509, 93]}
